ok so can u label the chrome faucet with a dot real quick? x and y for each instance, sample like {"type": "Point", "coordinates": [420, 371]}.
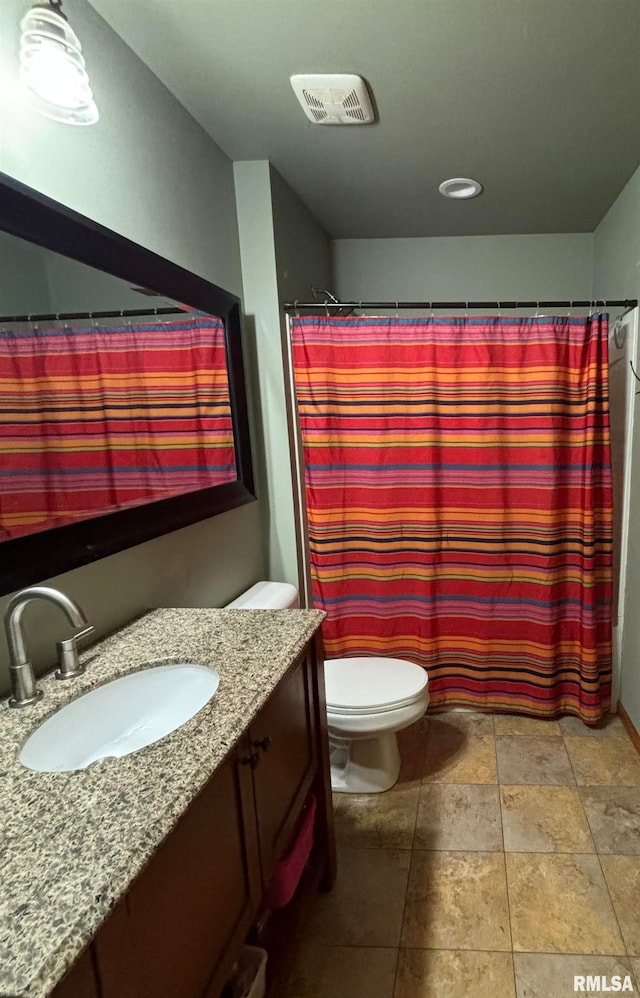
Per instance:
{"type": "Point", "coordinates": [23, 683]}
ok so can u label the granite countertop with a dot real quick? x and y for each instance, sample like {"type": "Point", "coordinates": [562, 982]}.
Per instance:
{"type": "Point", "coordinates": [72, 843]}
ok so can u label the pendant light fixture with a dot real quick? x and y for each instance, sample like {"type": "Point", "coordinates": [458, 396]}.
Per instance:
{"type": "Point", "coordinates": [52, 70]}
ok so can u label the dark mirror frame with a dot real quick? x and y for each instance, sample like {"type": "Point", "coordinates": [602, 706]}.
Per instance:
{"type": "Point", "coordinates": [37, 219]}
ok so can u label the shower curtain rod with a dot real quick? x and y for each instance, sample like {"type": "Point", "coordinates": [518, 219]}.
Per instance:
{"type": "Point", "coordinates": [292, 306]}
{"type": "Point", "coordinates": [121, 314]}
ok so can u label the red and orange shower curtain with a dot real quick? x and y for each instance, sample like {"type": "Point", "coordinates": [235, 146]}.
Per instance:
{"type": "Point", "coordinates": [459, 502]}
{"type": "Point", "coordinates": [96, 418]}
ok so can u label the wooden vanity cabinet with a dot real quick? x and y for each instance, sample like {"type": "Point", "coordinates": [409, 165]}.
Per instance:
{"type": "Point", "coordinates": [282, 736]}
{"type": "Point", "coordinates": [193, 900]}
{"type": "Point", "coordinates": [181, 925]}
{"type": "Point", "coordinates": [81, 980]}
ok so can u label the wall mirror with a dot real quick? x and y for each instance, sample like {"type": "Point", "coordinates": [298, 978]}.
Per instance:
{"type": "Point", "coordinates": [122, 395]}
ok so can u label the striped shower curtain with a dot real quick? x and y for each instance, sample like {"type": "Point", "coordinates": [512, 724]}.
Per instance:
{"type": "Point", "coordinates": [97, 418]}
{"type": "Point", "coordinates": [459, 502]}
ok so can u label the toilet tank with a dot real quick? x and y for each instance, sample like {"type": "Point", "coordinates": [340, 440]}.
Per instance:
{"type": "Point", "coordinates": [267, 596]}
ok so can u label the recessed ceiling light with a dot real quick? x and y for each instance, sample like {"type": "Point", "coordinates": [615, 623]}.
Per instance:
{"type": "Point", "coordinates": [460, 188]}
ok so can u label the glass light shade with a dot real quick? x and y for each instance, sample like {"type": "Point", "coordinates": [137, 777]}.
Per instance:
{"type": "Point", "coordinates": [52, 70]}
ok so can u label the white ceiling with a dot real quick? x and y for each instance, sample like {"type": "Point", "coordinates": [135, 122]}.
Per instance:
{"type": "Point", "coordinates": [537, 99]}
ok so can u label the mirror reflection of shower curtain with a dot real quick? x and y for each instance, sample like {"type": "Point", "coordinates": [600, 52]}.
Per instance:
{"type": "Point", "coordinates": [100, 418]}
{"type": "Point", "coordinates": [458, 486]}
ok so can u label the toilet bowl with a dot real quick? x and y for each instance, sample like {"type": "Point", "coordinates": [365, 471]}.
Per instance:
{"type": "Point", "coordinates": [369, 700]}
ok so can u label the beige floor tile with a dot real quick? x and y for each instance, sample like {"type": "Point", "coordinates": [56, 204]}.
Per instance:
{"type": "Point", "coordinates": [377, 821]}
{"type": "Point", "coordinates": [334, 971]}
{"type": "Point", "coordinates": [454, 974]}
{"type": "Point", "coordinates": [560, 904]}
{"type": "Point", "coordinates": [412, 743]}
{"type": "Point", "coordinates": [544, 819]}
{"type": "Point", "coordinates": [470, 721]}
{"type": "Point", "coordinates": [622, 874]}
{"type": "Point", "coordinates": [525, 759]}
{"type": "Point", "coordinates": [458, 816]}
{"type": "Point", "coordinates": [614, 817]}
{"type": "Point", "coordinates": [635, 966]}
{"type": "Point", "coordinates": [365, 906]}
{"type": "Point", "coordinates": [456, 900]}
{"type": "Point", "coordinates": [544, 975]}
{"type": "Point", "coordinates": [452, 756]}
{"type": "Point", "coordinates": [604, 761]}
{"type": "Point", "coordinates": [514, 724]}
{"type": "Point", "coordinates": [610, 727]}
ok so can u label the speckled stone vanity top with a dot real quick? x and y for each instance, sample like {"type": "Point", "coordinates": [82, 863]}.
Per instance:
{"type": "Point", "coordinates": [72, 843]}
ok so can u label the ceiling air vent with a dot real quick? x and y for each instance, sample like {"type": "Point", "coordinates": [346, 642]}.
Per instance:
{"type": "Point", "coordinates": [334, 98]}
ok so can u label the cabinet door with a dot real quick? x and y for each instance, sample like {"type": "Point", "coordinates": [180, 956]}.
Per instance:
{"type": "Point", "coordinates": [195, 898]}
{"type": "Point", "coordinates": [282, 737]}
{"type": "Point", "coordinates": [80, 982]}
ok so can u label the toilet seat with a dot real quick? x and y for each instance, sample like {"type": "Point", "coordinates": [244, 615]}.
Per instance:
{"type": "Point", "coordinates": [372, 685]}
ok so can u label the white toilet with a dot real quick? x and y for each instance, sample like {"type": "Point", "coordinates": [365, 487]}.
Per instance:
{"type": "Point", "coordinates": [368, 701]}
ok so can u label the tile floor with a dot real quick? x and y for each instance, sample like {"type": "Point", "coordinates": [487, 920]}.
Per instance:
{"type": "Point", "coordinates": [505, 861]}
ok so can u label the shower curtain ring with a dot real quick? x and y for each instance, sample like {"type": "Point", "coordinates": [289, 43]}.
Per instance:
{"type": "Point", "coordinates": [295, 305]}
{"type": "Point", "coordinates": [326, 309]}
{"type": "Point", "coordinates": [397, 312]}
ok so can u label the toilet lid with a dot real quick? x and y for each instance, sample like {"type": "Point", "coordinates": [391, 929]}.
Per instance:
{"type": "Point", "coordinates": [366, 685]}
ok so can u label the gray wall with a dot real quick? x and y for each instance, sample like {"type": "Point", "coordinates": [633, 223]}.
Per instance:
{"type": "Point", "coordinates": [34, 279]}
{"type": "Point", "coordinates": [303, 260]}
{"type": "Point", "coordinates": [148, 171]}
{"type": "Point", "coordinates": [616, 274]}
{"type": "Point", "coordinates": [284, 251]}
{"type": "Point", "coordinates": [303, 250]}
{"type": "Point", "coordinates": [616, 246]}
{"type": "Point", "coordinates": [464, 268]}
{"type": "Point", "coordinates": [78, 288]}
{"type": "Point", "coordinates": [24, 286]}
{"type": "Point", "coordinates": [37, 280]}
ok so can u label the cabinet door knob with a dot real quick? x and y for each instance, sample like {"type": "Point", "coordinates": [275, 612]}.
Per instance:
{"type": "Point", "coordinates": [251, 760]}
{"type": "Point", "coordinates": [263, 743]}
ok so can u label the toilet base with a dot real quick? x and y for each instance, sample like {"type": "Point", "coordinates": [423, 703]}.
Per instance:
{"type": "Point", "coordinates": [364, 765]}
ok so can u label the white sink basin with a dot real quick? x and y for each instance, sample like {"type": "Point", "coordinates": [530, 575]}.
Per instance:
{"type": "Point", "coordinates": [119, 717]}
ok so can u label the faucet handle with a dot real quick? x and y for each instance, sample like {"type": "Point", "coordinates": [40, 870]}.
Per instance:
{"type": "Point", "coordinates": [84, 633]}
{"type": "Point", "coordinates": [69, 666]}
